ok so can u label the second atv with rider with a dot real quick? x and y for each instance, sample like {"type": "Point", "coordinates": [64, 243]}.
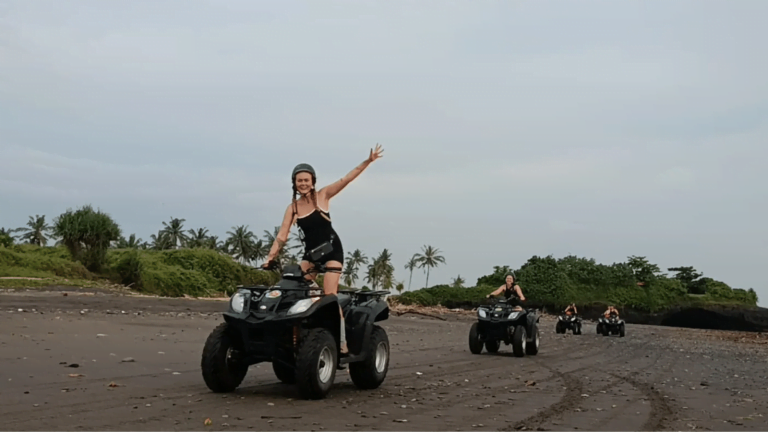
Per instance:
{"type": "Point", "coordinates": [503, 322]}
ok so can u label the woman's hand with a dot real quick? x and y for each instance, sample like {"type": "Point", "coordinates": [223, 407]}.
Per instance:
{"type": "Point", "coordinates": [376, 153]}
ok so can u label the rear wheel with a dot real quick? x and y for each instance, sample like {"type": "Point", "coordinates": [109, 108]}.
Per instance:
{"type": "Point", "coordinates": [316, 363]}
{"type": "Point", "coordinates": [370, 373]}
{"type": "Point", "coordinates": [221, 372]}
{"type": "Point", "coordinates": [475, 344]}
{"type": "Point", "coordinates": [519, 340]}
{"type": "Point", "coordinates": [559, 327]}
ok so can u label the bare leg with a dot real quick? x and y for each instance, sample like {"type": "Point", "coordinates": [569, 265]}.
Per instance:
{"type": "Point", "coordinates": [331, 286]}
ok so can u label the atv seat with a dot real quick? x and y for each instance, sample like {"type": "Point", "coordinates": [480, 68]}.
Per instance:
{"type": "Point", "coordinates": [344, 300]}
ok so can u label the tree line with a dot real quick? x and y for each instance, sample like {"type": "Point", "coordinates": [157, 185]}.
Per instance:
{"type": "Point", "coordinates": [89, 233]}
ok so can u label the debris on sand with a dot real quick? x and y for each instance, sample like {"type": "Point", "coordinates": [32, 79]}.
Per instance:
{"type": "Point", "coordinates": [208, 422]}
{"type": "Point", "coordinates": [76, 375]}
{"type": "Point", "coordinates": [127, 360]}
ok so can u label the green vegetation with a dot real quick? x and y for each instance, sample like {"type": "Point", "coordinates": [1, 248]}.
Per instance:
{"type": "Point", "coordinates": [90, 249]}
{"type": "Point", "coordinates": [555, 283]}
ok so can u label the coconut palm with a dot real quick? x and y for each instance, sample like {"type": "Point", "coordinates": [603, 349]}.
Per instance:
{"type": "Point", "coordinates": [410, 265]}
{"type": "Point", "coordinates": [241, 243]}
{"type": "Point", "coordinates": [354, 260]}
{"type": "Point", "coordinates": [285, 255]}
{"type": "Point", "coordinates": [429, 259]}
{"type": "Point", "coordinates": [175, 232]}
{"type": "Point", "coordinates": [35, 231]}
{"type": "Point", "coordinates": [130, 243]}
{"type": "Point", "coordinates": [160, 241]}
{"type": "Point", "coordinates": [458, 282]}
{"type": "Point", "coordinates": [197, 239]}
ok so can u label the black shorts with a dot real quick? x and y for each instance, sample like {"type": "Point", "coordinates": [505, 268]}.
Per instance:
{"type": "Point", "coordinates": [337, 254]}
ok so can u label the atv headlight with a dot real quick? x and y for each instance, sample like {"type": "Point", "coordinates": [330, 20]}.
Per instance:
{"type": "Point", "coordinates": [300, 306]}
{"type": "Point", "coordinates": [514, 315]}
{"type": "Point", "coordinates": [237, 302]}
{"type": "Point", "coordinates": [559, 318]}
{"type": "Point", "coordinates": [482, 313]}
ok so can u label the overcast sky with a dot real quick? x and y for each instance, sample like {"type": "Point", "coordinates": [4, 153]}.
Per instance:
{"type": "Point", "coordinates": [516, 128]}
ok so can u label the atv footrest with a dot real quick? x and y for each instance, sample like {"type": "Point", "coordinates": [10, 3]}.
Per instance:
{"type": "Point", "coordinates": [351, 358]}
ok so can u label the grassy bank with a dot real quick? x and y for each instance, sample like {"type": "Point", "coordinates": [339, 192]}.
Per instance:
{"type": "Point", "coordinates": [172, 273]}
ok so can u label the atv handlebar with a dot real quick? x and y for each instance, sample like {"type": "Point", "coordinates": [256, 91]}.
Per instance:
{"type": "Point", "coordinates": [317, 268]}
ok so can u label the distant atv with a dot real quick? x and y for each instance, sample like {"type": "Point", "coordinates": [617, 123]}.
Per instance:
{"type": "Point", "coordinates": [568, 322]}
{"type": "Point", "coordinates": [295, 326]}
{"type": "Point", "coordinates": [501, 323]}
{"type": "Point", "coordinates": [611, 325]}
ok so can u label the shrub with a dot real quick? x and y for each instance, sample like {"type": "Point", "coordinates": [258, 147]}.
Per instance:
{"type": "Point", "coordinates": [87, 235]}
{"type": "Point", "coordinates": [196, 272]}
{"type": "Point", "coordinates": [35, 261]}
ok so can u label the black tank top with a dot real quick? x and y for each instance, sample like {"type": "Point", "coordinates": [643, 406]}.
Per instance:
{"type": "Point", "coordinates": [509, 292]}
{"type": "Point", "coordinates": [316, 229]}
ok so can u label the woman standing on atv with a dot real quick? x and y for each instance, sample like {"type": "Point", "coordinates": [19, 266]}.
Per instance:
{"type": "Point", "coordinates": [310, 211]}
{"type": "Point", "coordinates": [510, 289]}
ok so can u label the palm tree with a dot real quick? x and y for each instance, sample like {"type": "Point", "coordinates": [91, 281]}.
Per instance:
{"type": "Point", "coordinates": [260, 251]}
{"type": "Point", "coordinates": [381, 271]}
{"type": "Point", "coordinates": [160, 241]}
{"type": "Point", "coordinates": [175, 232]}
{"type": "Point", "coordinates": [284, 256]}
{"type": "Point", "coordinates": [197, 239]}
{"type": "Point", "coordinates": [131, 243]}
{"type": "Point", "coordinates": [241, 243]}
{"type": "Point", "coordinates": [354, 260]}
{"type": "Point", "coordinates": [410, 265]}
{"type": "Point", "coordinates": [458, 282]}
{"type": "Point", "coordinates": [430, 258]}
{"type": "Point", "coordinates": [399, 287]}
{"type": "Point", "coordinates": [350, 275]}
{"type": "Point", "coordinates": [34, 232]}
{"type": "Point", "coordinates": [386, 269]}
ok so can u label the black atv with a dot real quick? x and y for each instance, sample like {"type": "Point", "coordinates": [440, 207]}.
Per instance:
{"type": "Point", "coordinates": [295, 326]}
{"type": "Point", "coordinates": [611, 325]}
{"type": "Point", "coordinates": [568, 322]}
{"type": "Point", "coordinates": [501, 322]}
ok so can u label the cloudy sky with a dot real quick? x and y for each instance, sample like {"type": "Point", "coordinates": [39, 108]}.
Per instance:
{"type": "Point", "coordinates": [597, 128]}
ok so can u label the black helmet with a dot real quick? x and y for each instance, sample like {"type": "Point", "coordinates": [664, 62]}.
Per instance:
{"type": "Point", "coordinates": [302, 167]}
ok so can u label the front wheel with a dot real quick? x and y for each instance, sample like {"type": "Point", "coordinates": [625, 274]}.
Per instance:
{"type": "Point", "coordinates": [475, 344]}
{"type": "Point", "coordinates": [221, 373]}
{"type": "Point", "coordinates": [316, 363]}
{"type": "Point", "coordinates": [559, 327]}
{"type": "Point", "coordinates": [519, 341]}
{"type": "Point", "coordinates": [370, 373]}
{"type": "Point", "coordinates": [621, 330]}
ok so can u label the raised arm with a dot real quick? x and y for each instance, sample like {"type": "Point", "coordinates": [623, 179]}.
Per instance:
{"type": "Point", "coordinates": [333, 189]}
{"type": "Point", "coordinates": [282, 235]}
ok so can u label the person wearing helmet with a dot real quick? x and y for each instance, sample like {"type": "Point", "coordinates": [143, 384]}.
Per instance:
{"type": "Point", "coordinates": [510, 289]}
{"type": "Point", "coordinates": [309, 209]}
